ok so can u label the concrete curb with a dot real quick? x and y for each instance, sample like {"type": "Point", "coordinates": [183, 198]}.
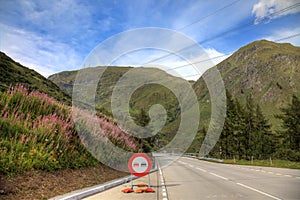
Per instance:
{"type": "Point", "coordinates": [211, 159]}
{"type": "Point", "coordinates": [85, 192]}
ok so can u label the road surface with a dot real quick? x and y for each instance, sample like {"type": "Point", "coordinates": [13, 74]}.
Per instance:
{"type": "Point", "coordinates": [188, 179]}
{"type": "Point", "coordinates": [192, 179]}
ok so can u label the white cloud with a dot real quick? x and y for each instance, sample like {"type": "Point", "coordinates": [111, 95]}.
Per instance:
{"type": "Point", "coordinates": [39, 53]}
{"type": "Point", "coordinates": [190, 69]}
{"type": "Point", "coordinates": [267, 7]}
{"type": "Point", "coordinates": [283, 33]}
{"type": "Point", "coordinates": [149, 47]}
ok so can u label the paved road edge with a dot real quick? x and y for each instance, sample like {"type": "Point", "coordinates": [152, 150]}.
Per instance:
{"type": "Point", "coordinates": [85, 192]}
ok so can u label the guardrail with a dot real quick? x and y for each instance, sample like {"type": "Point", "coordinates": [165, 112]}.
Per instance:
{"type": "Point", "coordinates": [211, 159]}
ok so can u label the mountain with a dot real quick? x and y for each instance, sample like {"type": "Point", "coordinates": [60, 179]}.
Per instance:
{"type": "Point", "coordinates": [269, 71]}
{"type": "Point", "coordinates": [13, 73]}
{"type": "Point", "coordinates": [66, 79]}
{"type": "Point", "coordinates": [142, 98]}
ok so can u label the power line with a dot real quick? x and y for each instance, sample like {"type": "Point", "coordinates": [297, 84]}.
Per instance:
{"type": "Point", "coordinates": [288, 37]}
{"type": "Point", "coordinates": [230, 31]}
{"type": "Point", "coordinates": [224, 33]}
{"type": "Point", "coordinates": [204, 60]}
{"type": "Point", "coordinates": [202, 18]}
{"type": "Point", "coordinates": [211, 14]}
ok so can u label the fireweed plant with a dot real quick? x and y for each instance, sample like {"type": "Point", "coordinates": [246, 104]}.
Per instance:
{"type": "Point", "coordinates": [38, 132]}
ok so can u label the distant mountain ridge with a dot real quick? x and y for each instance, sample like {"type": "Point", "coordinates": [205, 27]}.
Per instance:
{"type": "Point", "coordinates": [13, 73]}
{"type": "Point", "coordinates": [269, 71]}
{"type": "Point", "coordinates": [142, 98]}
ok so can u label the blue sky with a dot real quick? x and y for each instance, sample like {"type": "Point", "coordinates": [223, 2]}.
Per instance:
{"type": "Point", "coordinates": [54, 36]}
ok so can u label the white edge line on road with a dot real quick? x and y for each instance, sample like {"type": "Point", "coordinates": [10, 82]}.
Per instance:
{"type": "Point", "coordinates": [201, 169]}
{"type": "Point", "coordinates": [261, 192]}
{"type": "Point", "coordinates": [164, 189]}
{"type": "Point", "coordinates": [224, 178]}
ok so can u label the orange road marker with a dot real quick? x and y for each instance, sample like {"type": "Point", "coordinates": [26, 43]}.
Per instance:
{"type": "Point", "coordinates": [128, 190]}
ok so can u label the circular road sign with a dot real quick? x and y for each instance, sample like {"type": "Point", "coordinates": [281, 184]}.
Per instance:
{"type": "Point", "coordinates": [139, 164]}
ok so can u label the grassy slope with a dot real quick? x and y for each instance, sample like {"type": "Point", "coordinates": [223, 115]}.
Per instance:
{"type": "Point", "coordinates": [268, 70]}
{"type": "Point", "coordinates": [13, 73]}
{"type": "Point", "coordinates": [143, 97]}
{"type": "Point", "coordinates": [38, 132]}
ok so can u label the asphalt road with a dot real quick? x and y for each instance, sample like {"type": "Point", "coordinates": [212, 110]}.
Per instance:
{"type": "Point", "coordinates": [189, 179]}
{"type": "Point", "coordinates": [116, 194]}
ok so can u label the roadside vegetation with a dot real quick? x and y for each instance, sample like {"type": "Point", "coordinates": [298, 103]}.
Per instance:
{"type": "Point", "coordinates": [38, 133]}
{"type": "Point", "coordinates": [266, 163]}
{"type": "Point", "coordinates": [247, 135]}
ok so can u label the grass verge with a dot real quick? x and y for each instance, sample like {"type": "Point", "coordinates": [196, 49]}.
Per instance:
{"type": "Point", "coordinates": [44, 185]}
{"type": "Point", "coordinates": [266, 163]}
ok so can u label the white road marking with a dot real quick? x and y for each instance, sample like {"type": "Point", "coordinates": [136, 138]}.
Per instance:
{"type": "Point", "coordinates": [201, 169]}
{"type": "Point", "coordinates": [224, 178]}
{"type": "Point", "coordinates": [164, 189]}
{"type": "Point", "coordinates": [191, 166]}
{"type": "Point", "coordinates": [278, 174]}
{"type": "Point", "coordinates": [270, 172]}
{"type": "Point", "coordinates": [288, 175]}
{"type": "Point", "coordinates": [261, 192]}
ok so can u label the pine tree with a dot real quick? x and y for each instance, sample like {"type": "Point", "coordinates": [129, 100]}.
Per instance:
{"type": "Point", "coordinates": [227, 140]}
{"type": "Point", "coordinates": [239, 130]}
{"type": "Point", "coordinates": [291, 124]}
{"type": "Point", "coordinates": [264, 144]}
{"type": "Point", "coordinates": [249, 128]}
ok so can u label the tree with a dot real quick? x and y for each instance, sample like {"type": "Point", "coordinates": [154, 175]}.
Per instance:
{"type": "Point", "coordinates": [239, 130]}
{"type": "Point", "coordinates": [249, 131]}
{"type": "Point", "coordinates": [291, 124]}
{"type": "Point", "coordinates": [142, 118]}
{"type": "Point", "coordinates": [263, 140]}
{"type": "Point", "coordinates": [227, 142]}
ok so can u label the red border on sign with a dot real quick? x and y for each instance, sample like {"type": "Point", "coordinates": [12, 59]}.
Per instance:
{"type": "Point", "coordinates": [139, 155]}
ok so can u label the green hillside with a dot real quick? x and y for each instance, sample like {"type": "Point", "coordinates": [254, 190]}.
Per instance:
{"type": "Point", "coordinates": [13, 73]}
{"type": "Point", "coordinates": [142, 98]}
{"type": "Point", "coordinates": [38, 132]}
{"type": "Point", "coordinates": [269, 71]}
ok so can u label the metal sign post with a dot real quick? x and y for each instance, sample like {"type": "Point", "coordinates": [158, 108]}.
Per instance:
{"type": "Point", "coordinates": [139, 165]}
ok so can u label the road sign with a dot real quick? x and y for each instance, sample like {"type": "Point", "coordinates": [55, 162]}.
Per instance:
{"type": "Point", "coordinates": [139, 164]}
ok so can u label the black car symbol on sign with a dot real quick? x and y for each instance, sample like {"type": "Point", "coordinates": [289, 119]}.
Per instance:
{"type": "Point", "coordinates": [143, 164]}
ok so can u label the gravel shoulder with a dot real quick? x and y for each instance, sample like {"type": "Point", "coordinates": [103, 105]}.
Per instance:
{"type": "Point", "coordinates": [44, 185]}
